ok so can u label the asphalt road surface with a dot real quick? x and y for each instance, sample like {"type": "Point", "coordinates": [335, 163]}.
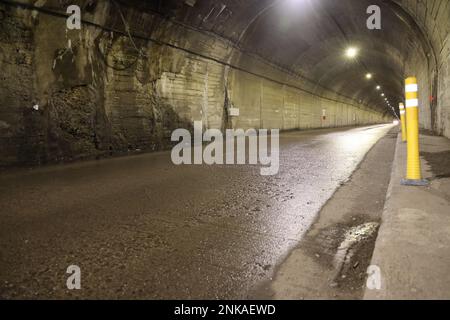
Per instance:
{"type": "Point", "coordinates": [141, 227]}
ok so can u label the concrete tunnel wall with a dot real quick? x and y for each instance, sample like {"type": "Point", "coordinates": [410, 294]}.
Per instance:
{"type": "Point", "coordinates": [102, 96]}
{"type": "Point", "coordinates": [264, 104]}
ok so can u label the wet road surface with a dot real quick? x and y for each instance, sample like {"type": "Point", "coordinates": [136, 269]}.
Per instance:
{"type": "Point", "coordinates": [141, 227]}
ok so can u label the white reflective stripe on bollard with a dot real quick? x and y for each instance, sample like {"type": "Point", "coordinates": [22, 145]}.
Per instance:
{"type": "Point", "coordinates": [412, 103]}
{"type": "Point", "coordinates": [412, 88]}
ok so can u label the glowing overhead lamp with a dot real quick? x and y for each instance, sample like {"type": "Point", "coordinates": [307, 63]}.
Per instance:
{"type": "Point", "coordinates": [351, 52]}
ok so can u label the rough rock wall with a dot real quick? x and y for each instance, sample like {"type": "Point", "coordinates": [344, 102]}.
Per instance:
{"type": "Point", "coordinates": [16, 86]}
{"type": "Point", "coordinates": [419, 66]}
{"type": "Point", "coordinates": [98, 91]}
{"type": "Point", "coordinates": [433, 18]}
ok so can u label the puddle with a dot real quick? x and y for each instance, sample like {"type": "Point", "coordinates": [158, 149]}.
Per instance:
{"type": "Point", "coordinates": [353, 256]}
{"type": "Point", "coordinates": [352, 238]}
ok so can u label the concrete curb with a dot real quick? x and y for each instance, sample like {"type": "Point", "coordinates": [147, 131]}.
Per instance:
{"type": "Point", "coordinates": [395, 168]}
{"type": "Point", "coordinates": [412, 250]}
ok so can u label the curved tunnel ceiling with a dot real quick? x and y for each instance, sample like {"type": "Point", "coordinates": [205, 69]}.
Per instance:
{"type": "Point", "coordinates": [309, 37]}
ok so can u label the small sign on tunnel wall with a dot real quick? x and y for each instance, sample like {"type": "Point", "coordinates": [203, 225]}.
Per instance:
{"type": "Point", "coordinates": [324, 115]}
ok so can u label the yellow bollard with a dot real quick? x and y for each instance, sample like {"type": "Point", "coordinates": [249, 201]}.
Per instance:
{"type": "Point", "coordinates": [414, 173]}
{"type": "Point", "coordinates": [403, 121]}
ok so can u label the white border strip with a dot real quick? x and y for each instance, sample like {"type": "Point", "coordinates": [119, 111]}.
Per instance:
{"type": "Point", "coordinates": [412, 103]}
{"type": "Point", "coordinates": [412, 88]}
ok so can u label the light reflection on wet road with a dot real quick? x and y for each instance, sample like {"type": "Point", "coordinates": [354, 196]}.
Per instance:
{"type": "Point", "coordinates": [140, 227]}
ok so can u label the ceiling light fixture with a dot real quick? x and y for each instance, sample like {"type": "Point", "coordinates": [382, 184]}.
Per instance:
{"type": "Point", "coordinates": [351, 52]}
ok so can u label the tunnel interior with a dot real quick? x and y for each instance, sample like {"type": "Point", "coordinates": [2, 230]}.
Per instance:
{"type": "Point", "coordinates": [137, 70]}
{"type": "Point", "coordinates": [309, 38]}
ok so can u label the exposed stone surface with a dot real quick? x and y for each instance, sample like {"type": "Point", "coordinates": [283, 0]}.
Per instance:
{"type": "Point", "coordinates": [95, 93]}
